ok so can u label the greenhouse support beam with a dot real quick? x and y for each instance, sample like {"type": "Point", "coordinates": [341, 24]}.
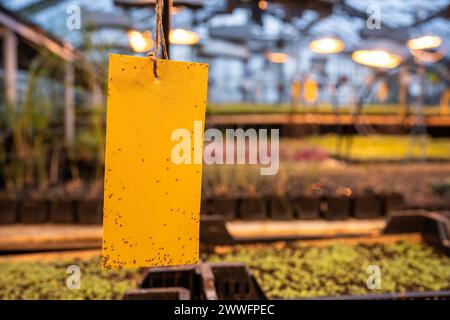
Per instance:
{"type": "Point", "coordinates": [10, 65]}
{"type": "Point", "coordinates": [96, 92]}
{"type": "Point", "coordinates": [69, 104]}
{"type": "Point", "coordinates": [39, 38]}
{"type": "Point", "coordinates": [97, 99]}
{"type": "Point", "coordinates": [166, 23]}
{"type": "Point", "coordinates": [403, 90]}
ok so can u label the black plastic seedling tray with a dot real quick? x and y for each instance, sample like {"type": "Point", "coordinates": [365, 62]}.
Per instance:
{"type": "Point", "coordinates": [204, 281]}
{"type": "Point", "coordinates": [414, 295]}
{"type": "Point", "coordinates": [88, 210]}
{"type": "Point", "coordinates": [303, 207]}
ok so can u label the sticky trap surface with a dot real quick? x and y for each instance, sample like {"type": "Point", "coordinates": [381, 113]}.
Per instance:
{"type": "Point", "coordinates": [151, 205]}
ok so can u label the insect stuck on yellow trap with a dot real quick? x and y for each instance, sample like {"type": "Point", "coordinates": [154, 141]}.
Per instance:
{"type": "Point", "coordinates": [151, 205]}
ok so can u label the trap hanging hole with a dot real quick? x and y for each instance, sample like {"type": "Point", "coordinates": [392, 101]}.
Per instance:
{"type": "Point", "coordinates": [152, 56]}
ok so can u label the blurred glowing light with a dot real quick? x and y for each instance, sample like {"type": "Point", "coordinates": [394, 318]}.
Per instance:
{"type": "Point", "coordinates": [277, 57]}
{"type": "Point", "coordinates": [262, 5]}
{"type": "Point", "coordinates": [140, 41]}
{"type": "Point", "coordinates": [183, 37]}
{"type": "Point", "coordinates": [425, 42]}
{"type": "Point", "coordinates": [176, 10]}
{"type": "Point", "coordinates": [347, 191]}
{"type": "Point", "coordinates": [326, 45]}
{"type": "Point", "coordinates": [429, 57]}
{"type": "Point", "coordinates": [376, 58]}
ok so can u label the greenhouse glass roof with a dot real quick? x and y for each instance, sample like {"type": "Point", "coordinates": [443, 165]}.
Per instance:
{"type": "Point", "coordinates": [345, 19]}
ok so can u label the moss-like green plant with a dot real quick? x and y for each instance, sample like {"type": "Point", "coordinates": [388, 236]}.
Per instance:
{"type": "Point", "coordinates": [36, 280]}
{"type": "Point", "coordinates": [338, 269]}
{"type": "Point", "coordinates": [292, 271]}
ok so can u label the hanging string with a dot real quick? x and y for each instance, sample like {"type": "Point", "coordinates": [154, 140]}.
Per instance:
{"type": "Point", "coordinates": [159, 37]}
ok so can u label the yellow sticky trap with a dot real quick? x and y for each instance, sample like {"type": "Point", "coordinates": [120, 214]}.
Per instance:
{"type": "Point", "coordinates": [152, 205]}
{"type": "Point", "coordinates": [311, 90]}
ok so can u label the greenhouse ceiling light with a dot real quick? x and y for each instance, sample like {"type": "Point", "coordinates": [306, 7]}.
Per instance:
{"type": "Point", "coordinates": [184, 37]}
{"type": "Point", "coordinates": [376, 58]}
{"type": "Point", "coordinates": [277, 57]}
{"type": "Point", "coordinates": [424, 42]}
{"type": "Point", "coordinates": [429, 57]}
{"type": "Point", "coordinates": [140, 41]}
{"type": "Point", "coordinates": [326, 45]}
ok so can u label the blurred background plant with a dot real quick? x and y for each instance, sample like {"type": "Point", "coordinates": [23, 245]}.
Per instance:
{"type": "Point", "coordinates": [34, 154]}
{"type": "Point", "coordinates": [26, 131]}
